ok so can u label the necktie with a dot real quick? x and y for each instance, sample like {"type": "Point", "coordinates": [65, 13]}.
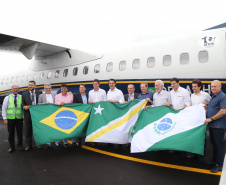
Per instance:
{"type": "Point", "coordinates": [15, 102]}
{"type": "Point", "coordinates": [32, 96]}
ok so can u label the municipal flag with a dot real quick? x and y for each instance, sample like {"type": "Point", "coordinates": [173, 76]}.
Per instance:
{"type": "Point", "coordinates": [161, 128]}
{"type": "Point", "coordinates": [112, 122]}
{"type": "Point", "coordinates": [54, 122]}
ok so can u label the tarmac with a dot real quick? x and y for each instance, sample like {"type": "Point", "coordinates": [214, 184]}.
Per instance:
{"type": "Point", "coordinates": [101, 166]}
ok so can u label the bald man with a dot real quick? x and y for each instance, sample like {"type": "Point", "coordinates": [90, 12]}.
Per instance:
{"type": "Point", "coordinates": [12, 114]}
{"type": "Point", "coordinates": [216, 120]}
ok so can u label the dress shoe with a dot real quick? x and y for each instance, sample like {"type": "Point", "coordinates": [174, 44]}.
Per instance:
{"type": "Point", "coordinates": [190, 155]}
{"type": "Point", "coordinates": [60, 145]}
{"type": "Point", "coordinates": [79, 145]}
{"type": "Point", "coordinates": [21, 148]}
{"type": "Point", "coordinates": [74, 145]}
{"type": "Point", "coordinates": [28, 148]}
{"type": "Point", "coordinates": [11, 150]}
{"type": "Point", "coordinates": [39, 147]}
{"type": "Point", "coordinates": [47, 147]}
{"type": "Point", "coordinates": [216, 168]}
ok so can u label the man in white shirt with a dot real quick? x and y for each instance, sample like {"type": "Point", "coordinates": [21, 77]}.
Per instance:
{"type": "Point", "coordinates": [46, 98]}
{"type": "Point", "coordinates": [161, 96]}
{"type": "Point", "coordinates": [180, 97]}
{"type": "Point", "coordinates": [199, 96]}
{"type": "Point", "coordinates": [97, 94]}
{"type": "Point", "coordinates": [114, 95]}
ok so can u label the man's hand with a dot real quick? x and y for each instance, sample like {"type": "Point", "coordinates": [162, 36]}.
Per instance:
{"type": "Point", "coordinates": [167, 104]}
{"type": "Point", "coordinates": [112, 101]}
{"type": "Point", "coordinates": [5, 121]}
{"type": "Point", "coordinates": [26, 107]}
{"type": "Point", "coordinates": [131, 99]}
{"type": "Point", "coordinates": [90, 102]}
{"type": "Point", "coordinates": [205, 106]}
{"type": "Point", "coordinates": [147, 106]}
{"type": "Point", "coordinates": [207, 121]}
{"type": "Point", "coordinates": [47, 102]}
{"type": "Point", "coordinates": [149, 100]}
{"type": "Point", "coordinates": [62, 103]}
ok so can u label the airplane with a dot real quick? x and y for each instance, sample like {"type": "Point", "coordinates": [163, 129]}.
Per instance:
{"type": "Point", "coordinates": [200, 55]}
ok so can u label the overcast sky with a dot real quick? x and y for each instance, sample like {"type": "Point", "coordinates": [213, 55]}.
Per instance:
{"type": "Point", "coordinates": [98, 25]}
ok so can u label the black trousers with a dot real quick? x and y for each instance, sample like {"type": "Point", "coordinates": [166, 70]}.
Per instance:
{"type": "Point", "coordinates": [28, 131]}
{"type": "Point", "coordinates": [217, 140]}
{"type": "Point", "coordinates": [15, 124]}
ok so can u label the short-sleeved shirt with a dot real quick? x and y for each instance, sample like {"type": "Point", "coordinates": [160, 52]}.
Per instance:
{"type": "Point", "coordinates": [180, 98]}
{"type": "Point", "coordinates": [202, 97]}
{"type": "Point", "coordinates": [216, 103]}
{"type": "Point", "coordinates": [97, 96]}
{"type": "Point", "coordinates": [148, 94]}
{"type": "Point", "coordinates": [161, 98]}
{"type": "Point", "coordinates": [116, 94]}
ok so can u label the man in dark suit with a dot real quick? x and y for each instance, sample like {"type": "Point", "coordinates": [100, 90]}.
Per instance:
{"type": "Point", "coordinates": [80, 97]}
{"type": "Point", "coordinates": [29, 97]}
{"type": "Point", "coordinates": [131, 94]}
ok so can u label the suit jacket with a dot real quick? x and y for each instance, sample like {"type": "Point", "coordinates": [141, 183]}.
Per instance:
{"type": "Point", "coordinates": [26, 100]}
{"type": "Point", "coordinates": [127, 95]}
{"type": "Point", "coordinates": [78, 98]}
{"type": "Point", "coordinates": [42, 98]}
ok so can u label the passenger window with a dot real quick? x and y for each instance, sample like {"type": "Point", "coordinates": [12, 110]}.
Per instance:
{"type": "Point", "coordinates": [57, 73]}
{"type": "Point", "coordinates": [75, 71]}
{"type": "Point", "coordinates": [136, 64]}
{"type": "Point", "coordinates": [3, 80]}
{"type": "Point", "coordinates": [22, 79]}
{"type": "Point", "coordinates": [41, 76]}
{"type": "Point", "coordinates": [203, 56]}
{"type": "Point", "coordinates": [97, 68]}
{"type": "Point", "coordinates": [17, 79]}
{"type": "Point", "coordinates": [49, 75]}
{"type": "Point", "coordinates": [109, 67]}
{"type": "Point", "coordinates": [65, 73]}
{"type": "Point", "coordinates": [85, 70]}
{"type": "Point", "coordinates": [122, 65]}
{"type": "Point", "coordinates": [7, 80]}
{"type": "Point", "coordinates": [35, 76]}
{"type": "Point", "coordinates": [184, 58]}
{"type": "Point", "coordinates": [12, 80]}
{"type": "Point", "coordinates": [28, 78]}
{"type": "Point", "coordinates": [151, 62]}
{"type": "Point", "coordinates": [167, 60]}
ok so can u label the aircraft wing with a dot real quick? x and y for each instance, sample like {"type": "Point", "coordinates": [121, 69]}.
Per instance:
{"type": "Point", "coordinates": [28, 48]}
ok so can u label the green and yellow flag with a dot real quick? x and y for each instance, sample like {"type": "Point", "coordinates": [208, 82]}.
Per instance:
{"type": "Point", "coordinates": [54, 122]}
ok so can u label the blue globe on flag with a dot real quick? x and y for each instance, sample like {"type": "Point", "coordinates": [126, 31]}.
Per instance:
{"type": "Point", "coordinates": [66, 119]}
{"type": "Point", "coordinates": [165, 124]}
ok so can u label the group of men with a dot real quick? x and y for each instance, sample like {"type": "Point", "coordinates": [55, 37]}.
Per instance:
{"type": "Point", "coordinates": [16, 107]}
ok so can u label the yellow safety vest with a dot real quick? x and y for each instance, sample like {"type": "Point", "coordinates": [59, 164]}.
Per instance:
{"type": "Point", "coordinates": [12, 111]}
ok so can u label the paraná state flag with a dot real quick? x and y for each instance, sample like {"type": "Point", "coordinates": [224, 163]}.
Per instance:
{"type": "Point", "coordinates": [54, 122]}
{"type": "Point", "coordinates": [112, 122]}
{"type": "Point", "coordinates": [161, 128]}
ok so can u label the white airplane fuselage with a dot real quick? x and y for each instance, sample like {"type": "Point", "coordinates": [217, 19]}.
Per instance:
{"type": "Point", "coordinates": [199, 55]}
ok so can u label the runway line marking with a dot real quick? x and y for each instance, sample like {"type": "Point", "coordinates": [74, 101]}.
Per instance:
{"type": "Point", "coordinates": [197, 170]}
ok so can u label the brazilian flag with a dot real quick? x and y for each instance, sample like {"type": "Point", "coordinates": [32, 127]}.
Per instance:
{"type": "Point", "coordinates": [54, 122]}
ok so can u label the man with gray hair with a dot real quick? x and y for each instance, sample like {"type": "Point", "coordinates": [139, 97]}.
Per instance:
{"type": "Point", "coordinates": [131, 94]}
{"type": "Point", "coordinates": [12, 114]}
{"type": "Point", "coordinates": [161, 96]}
{"type": "Point", "coordinates": [46, 98]}
{"type": "Point", "coordinates": [216, 120]}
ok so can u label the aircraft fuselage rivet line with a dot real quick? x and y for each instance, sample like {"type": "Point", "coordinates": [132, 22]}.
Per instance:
{"type": "Point", "coordinates": [197, 170]}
